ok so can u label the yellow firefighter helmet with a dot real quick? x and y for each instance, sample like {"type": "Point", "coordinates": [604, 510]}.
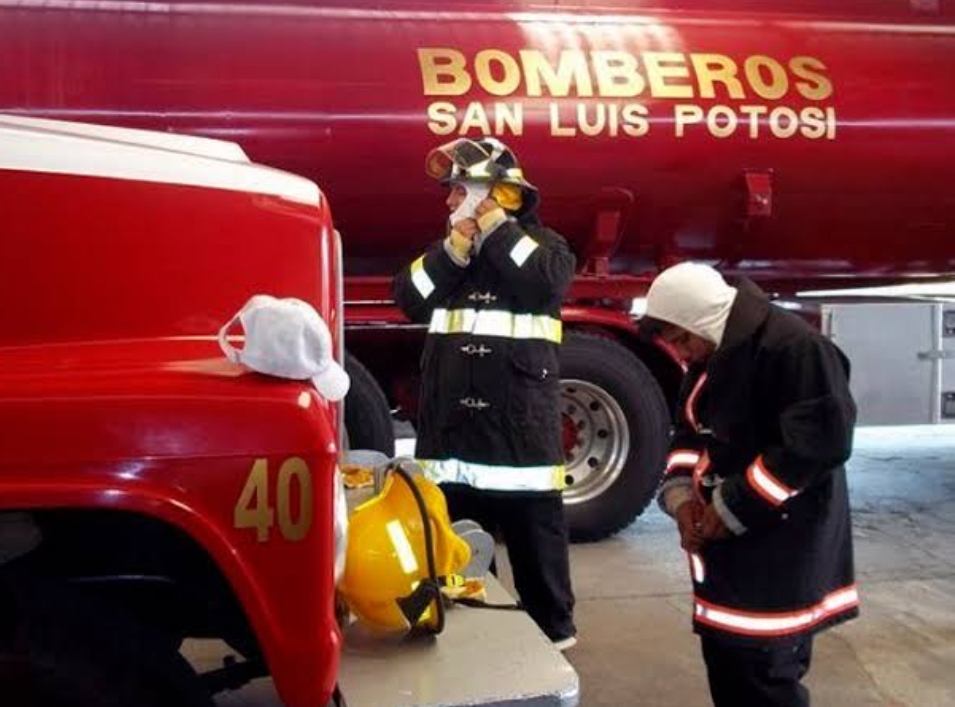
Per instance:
{"type": "Point", "coordinates": [401, 548]}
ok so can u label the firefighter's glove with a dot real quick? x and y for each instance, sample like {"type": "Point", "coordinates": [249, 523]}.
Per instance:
{"type": "Point", "coordinates": [458, 587]}
{"type": "Point", "coordinates": [689, 518]}
{"type": "Point", "coordinates": [490, 215]}
{"type": "Point", "coordinates": [458, 244]}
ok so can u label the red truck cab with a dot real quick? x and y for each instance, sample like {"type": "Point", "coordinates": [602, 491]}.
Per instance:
{"type": "Point", "coordinates": [150, 490]}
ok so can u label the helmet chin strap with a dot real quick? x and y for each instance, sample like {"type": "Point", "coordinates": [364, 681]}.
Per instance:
{"type": "Point", "coordinates": [428, 590]}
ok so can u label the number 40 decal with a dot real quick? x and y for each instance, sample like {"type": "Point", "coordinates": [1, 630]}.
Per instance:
{"type": "Point", "coordinates": [254, 509]}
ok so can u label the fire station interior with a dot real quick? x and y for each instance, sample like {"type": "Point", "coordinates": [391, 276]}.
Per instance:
{"type": "Point", "coordinates": [241, 378]}
{"type": "Point", "coordinates": [635, 645]}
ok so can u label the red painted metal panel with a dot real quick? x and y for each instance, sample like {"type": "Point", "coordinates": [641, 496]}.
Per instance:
{"type": "Point", "coordinates": [114, 393]}
{"type": "Point", "coordinates": [280, 584]}
{"type": "Point", "coordinates": [169, 429]}
{"type": "Point", "coordinates": [123, 259]}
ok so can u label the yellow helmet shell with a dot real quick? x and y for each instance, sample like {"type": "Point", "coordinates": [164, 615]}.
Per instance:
{"type": "Point", "coordinates": [387, 560]}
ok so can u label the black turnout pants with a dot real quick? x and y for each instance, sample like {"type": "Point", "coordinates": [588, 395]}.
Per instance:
{"type": "Point", "coordinates": [533, 529]}
{"type": "Point", "coordinates": [743, 676]}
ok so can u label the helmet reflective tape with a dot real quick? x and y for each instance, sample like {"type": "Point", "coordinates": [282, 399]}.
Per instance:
{"type": "Point", "coordinates": [402, 546]}
{"type": "Point", "coordinates": [496, 322]}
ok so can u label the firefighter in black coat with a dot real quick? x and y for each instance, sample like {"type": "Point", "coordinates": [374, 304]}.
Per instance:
{"type": "Point", "coordinates": [489, 425]}
{"type": "Point", "coordinates": [755, 479]}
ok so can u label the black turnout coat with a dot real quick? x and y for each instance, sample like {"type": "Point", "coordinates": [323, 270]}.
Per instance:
{"type": "Point", "coordinates": [762, 431]}
{"type": "Point", "coordinates": [489, 406]}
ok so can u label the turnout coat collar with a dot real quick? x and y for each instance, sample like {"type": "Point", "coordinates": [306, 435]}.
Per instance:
{"type": "Point", "coordinates": [748, 314]}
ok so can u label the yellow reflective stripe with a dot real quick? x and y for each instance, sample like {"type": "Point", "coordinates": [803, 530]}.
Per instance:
{"type": "Point", "coordinates": [453, 321]}
{"type": "Point", "coordinates": [495, 478]}
{"type": "Point", "coordinates": [522, 250]}
{"type": "Point", "coordinates": [493, 322]}
{"type": "Point", "coordinates": [422, 281]}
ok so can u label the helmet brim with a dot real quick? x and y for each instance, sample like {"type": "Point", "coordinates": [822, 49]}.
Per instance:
{"type": "Point", "coordinates": [454, 159]}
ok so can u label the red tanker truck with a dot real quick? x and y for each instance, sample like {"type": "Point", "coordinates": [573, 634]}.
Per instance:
{"type": "Point", "coordinates": [150, 489]}
{"type": "Point", "coordinates": [804, 143]}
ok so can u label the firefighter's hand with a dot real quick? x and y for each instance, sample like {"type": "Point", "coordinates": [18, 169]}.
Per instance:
{"type": "Point", "coordinates": [486, 207]}
{"type": "Point", "coordinates": [467, 227]}
{"type": "Point", "coordinates": [713, 527]}
{"type": "Point", "coordinates": [688, 522]}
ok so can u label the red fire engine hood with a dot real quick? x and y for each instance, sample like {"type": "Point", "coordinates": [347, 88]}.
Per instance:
{"type": "Point", "coordinates": [149, 399]}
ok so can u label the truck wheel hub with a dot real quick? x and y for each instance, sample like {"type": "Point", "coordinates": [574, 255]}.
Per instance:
{"type": "Point", "coordinates": [596, 440]}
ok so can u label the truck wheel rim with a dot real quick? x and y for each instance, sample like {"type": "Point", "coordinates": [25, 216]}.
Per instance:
{"type": "Point", "coordinates": [596, 440]}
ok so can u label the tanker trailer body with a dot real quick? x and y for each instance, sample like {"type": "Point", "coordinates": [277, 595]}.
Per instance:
{"type": "Point", "coordinates": [807, 144]}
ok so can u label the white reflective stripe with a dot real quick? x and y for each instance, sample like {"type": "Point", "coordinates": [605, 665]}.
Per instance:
{"type": "Point", "coordinates": [522, 250]}
{"type": "Point", "coordinates": [682, 459]}
{"type": "Point", "coordinates": [399, 539]}
{"type": "Point", "coordinates": [494, 322]}
{"type": "Point", "coordinates": [767, 485]}
{"type": "Point", "coordinates": [422, 281]}
{"type": "Point", "coordinates": [770, 624]}
{"type": "Point", "coordinates": [496, 478]}
{"type": "Point", "coordinates": [699, 571]}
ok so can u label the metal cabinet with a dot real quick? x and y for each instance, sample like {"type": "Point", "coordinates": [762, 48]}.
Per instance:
{"type": "Point", "coordinates": [903, 359]}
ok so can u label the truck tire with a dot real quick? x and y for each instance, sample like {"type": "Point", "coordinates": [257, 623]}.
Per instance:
{"type": "Point", "coordinates": [59, 648]}
{"type": "Point", "coordinates": [616, 423]}
{"type": "Point", "coordinates": [367, 415]}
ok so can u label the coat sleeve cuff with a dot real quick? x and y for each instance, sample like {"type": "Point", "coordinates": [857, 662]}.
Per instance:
{"type": "Point", "coordinates": [458, 249]}
{"type": "Point", "coordinates": [726, 515]}
{"type": "Point", "coordinates": [484, 236]}
{"type": "Point", "coordinates": [674, 493]}
{"type": "Point", "coordinates": [491, 220]}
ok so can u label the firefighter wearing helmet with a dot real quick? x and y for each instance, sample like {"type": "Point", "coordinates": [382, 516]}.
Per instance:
{"type": "Point", "coordinates": [489, 424]}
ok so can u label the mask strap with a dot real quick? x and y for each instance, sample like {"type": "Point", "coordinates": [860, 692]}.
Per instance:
{"type": "Point", "coordinates": [228, 349]}
{"type": "Point", "coordinates": [428, 591]}
{"type": "Point", "coordinates": [415, 604]}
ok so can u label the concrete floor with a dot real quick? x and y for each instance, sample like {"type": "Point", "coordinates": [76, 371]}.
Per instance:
{"type": "Point", "coordinates": [636, 647]}
{"type": "Point", "coordinates": [633, 610]}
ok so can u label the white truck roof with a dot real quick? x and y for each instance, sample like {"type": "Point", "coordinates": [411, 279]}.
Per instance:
{"type": "Point", "coordinates": [64, 147]}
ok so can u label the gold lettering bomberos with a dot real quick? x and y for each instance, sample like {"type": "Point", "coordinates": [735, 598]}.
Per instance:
{"type": "Point", "coordinates": [588, 93]}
